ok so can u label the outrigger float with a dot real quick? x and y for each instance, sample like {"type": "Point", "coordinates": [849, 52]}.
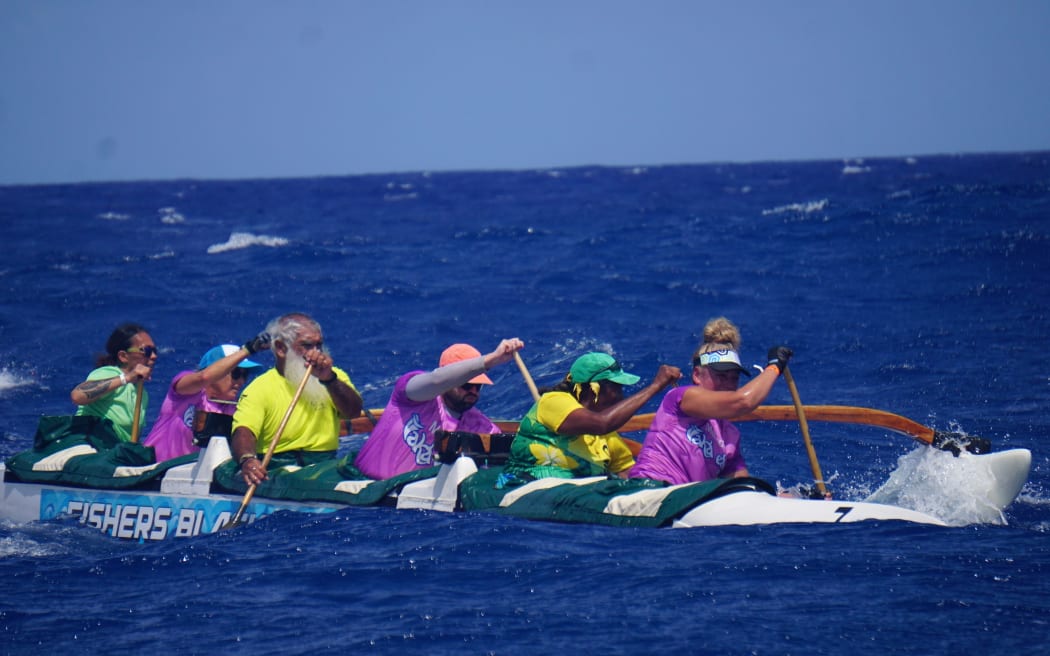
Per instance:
{"type": "Point", "coordinates": [82, 471]}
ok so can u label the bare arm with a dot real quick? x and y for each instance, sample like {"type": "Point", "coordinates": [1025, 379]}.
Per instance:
{"type": "Point", "coordinates": [196, 381]}
{"type": "Point", "coordinates": [584, 421]}
{"type": "Point", "coordinates": [90, 391]}
{"type": "Point", "coordinates": [345, 398]}
{"type": "Point", "coordinates": [710, 404]}
{"type": "Point", "coordinates": [244, 447]}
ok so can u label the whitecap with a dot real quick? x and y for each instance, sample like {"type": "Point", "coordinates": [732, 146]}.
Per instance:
{"type": "Point", "coordinates": [10, 380]}
{"type": "Point", "coordinates": [854, 167]}
{"type": "Point", "coordinates": [239, 240]}
{"type": "Point", "coordinates": [170, 215]}
{"type": "Point", "coordinates": [114, 216]}
{"type": "Point", "coordinates": [24, 546]}
{"type": "Point", "coordinates": [799, 208]}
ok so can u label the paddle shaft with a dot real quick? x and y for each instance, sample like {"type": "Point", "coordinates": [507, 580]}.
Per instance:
{"type": "Point", "coordinates": [136, 421]}
{"type": "Point", "coordinates": [804, 427]}
{"type": "Point", "coordinates": [528, 377]}
{"type": "Point", "coordinates": [273, 445]}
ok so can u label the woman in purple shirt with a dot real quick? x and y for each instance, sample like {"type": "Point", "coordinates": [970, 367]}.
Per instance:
{"type": "Point", "coordinates": [691, 438]}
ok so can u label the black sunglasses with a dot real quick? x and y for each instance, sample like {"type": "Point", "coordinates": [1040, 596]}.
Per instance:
{"type": "Point", "coordinates": [239, 373]}
{"type": "Point", "coordinates": [146, 351]}
{"type": "Point", "coordinates": [470, 387]}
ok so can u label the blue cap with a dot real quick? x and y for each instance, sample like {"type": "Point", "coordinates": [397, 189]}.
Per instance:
{"type": "Point", "coordinates": [220, 352]}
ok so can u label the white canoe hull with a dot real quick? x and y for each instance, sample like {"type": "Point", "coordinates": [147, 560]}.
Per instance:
{"type": "Point", "coordinates": [751, 508]}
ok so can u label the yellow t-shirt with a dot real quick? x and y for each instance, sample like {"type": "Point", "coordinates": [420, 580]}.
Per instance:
{"type": "Point", "coordinates": [541, 451]}
{"type": "Point", "coordinates": [311, 427]}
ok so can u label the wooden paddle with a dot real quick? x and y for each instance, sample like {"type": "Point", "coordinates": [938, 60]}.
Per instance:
{"type": "Point", "coordinates": [136, 421]}
{"type": "Point", "coordinates": [528, 378]}
{"type": "Point", "coordinates": [800, 412]}
{"type": "Point", "coordinates": [236, 519]}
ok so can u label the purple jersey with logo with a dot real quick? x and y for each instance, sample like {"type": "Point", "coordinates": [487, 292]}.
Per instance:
{"type": "Point", "coordinates": [172, 434]}
{"type": "Point", "coordinates": [403, 439]}
{"type": "Point", "coordinates": [682, 449]}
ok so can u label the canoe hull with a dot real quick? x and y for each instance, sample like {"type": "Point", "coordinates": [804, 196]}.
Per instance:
{"type": "Point", "coordinates": [185, 506]}
{"type": "Point", "coordinates": [748, 508]}
{"type": "Point", "coordinates": [136, 514]}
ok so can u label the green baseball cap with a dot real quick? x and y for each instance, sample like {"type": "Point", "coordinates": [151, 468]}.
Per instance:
{"type": "Point", "coordinates": [594, 367]}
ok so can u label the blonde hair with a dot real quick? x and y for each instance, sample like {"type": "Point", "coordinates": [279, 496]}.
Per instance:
{"type": "Point", "coordinates": [719, 333]}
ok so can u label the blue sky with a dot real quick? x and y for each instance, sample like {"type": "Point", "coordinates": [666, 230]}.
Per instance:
{"type": "Point", "coordinates": [121, 90]}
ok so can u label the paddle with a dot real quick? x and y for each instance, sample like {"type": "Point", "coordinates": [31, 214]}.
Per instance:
{"type": "Point", "coordinates": [136, 421]}
{"type": "Point", "coordinates": [804, 427]}
{"type": "Point", "coordinates": [371, 417]}
{"type": "Point", "coordinates": [236, 519]}
{"type": "Point", "coordinates": [528, 378]}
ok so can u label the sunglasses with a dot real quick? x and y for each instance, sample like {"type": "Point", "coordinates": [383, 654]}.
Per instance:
{"type": "Point", "coordinates": [239, 374]}
{"type": "Point", "coordinates": [471, 387]}
{"type": "Point", "coordinates": [146, 351]}
{"type": "Point", "coordinates": [614, 367]}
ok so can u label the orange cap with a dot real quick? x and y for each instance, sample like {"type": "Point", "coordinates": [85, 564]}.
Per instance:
{"type": "Point", "coordinates": [460, 352]}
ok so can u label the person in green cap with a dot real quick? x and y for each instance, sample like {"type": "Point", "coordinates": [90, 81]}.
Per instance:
{"type": "Point", "coordinates": [571, 431]}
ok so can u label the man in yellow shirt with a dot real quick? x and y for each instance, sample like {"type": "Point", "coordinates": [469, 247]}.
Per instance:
{"type": "Point", "coordinates": [312, 432]}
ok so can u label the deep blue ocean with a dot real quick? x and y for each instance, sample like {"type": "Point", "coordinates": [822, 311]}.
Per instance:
{"type": "Point", "coordinates": [918, 285]}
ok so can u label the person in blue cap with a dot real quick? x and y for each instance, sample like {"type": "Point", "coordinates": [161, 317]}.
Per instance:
{"type": "Point", "coordinates": [212, 387]}
{"type": "Point", "coordinates": [571, 431]}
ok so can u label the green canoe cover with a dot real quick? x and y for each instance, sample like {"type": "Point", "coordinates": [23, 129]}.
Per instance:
{"type": "Point", "coordinates": [86, 452]}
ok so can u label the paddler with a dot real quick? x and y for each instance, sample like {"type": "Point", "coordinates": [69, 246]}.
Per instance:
{"type": "Point", "coordinates": [311, 433]}
{"type": "Point", "coordinates": [571, 431]}
{"type": "Point", "coordinates": [212, 387]}
{"type": "Point", "coordinates": [112, 388]}
{"type": "Point", "coordinates": [423, 402]}
{"type": "Point", "coordinates": [691, 438]}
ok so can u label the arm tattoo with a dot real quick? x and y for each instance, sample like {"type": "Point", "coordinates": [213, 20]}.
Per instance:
{"type": "Point", "coordinates": [94, 389]}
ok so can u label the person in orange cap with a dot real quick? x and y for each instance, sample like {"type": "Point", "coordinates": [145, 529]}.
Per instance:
{"type": "Point", "coordinates": [424, 402]}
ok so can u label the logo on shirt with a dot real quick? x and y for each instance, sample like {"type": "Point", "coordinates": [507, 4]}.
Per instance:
{"type": "Point", "coordinates": [187, 417]}
{"type": "Point", "coordinates": [415, 437]}
{"type": "Point", "coordinates": [698, 436]}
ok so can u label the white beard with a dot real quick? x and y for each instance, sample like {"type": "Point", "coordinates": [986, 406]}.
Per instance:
{"type": "Point", "coordinates": [294, 368]}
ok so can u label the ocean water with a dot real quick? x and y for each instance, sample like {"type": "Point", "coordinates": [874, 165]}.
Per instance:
{"type": "Point", "coordinates": [915, 285]}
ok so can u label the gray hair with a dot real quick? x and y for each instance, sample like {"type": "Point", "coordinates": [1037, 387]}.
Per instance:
{"type": "Point", "coordinates": [288, 326]}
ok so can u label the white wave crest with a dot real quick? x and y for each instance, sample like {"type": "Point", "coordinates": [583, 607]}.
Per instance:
{"type": "Point", "coordinates": [239, 240]}
{"type": "Point", "coordinates": [114, 216]}
{"type": "Point", "coordinates": [799, 208]}
{"type": "Point", "coordinates": [170, 216]}
{"type": "Point", "coordinates": [854, 167]}
{"type": "Point", "coordinates": [10, 380]}
{"type": "Point", "coordinates": [25, 546]}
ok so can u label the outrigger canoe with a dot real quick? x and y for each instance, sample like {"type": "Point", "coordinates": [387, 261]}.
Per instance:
{"type": "Point", "coordinates": [117, 489]}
